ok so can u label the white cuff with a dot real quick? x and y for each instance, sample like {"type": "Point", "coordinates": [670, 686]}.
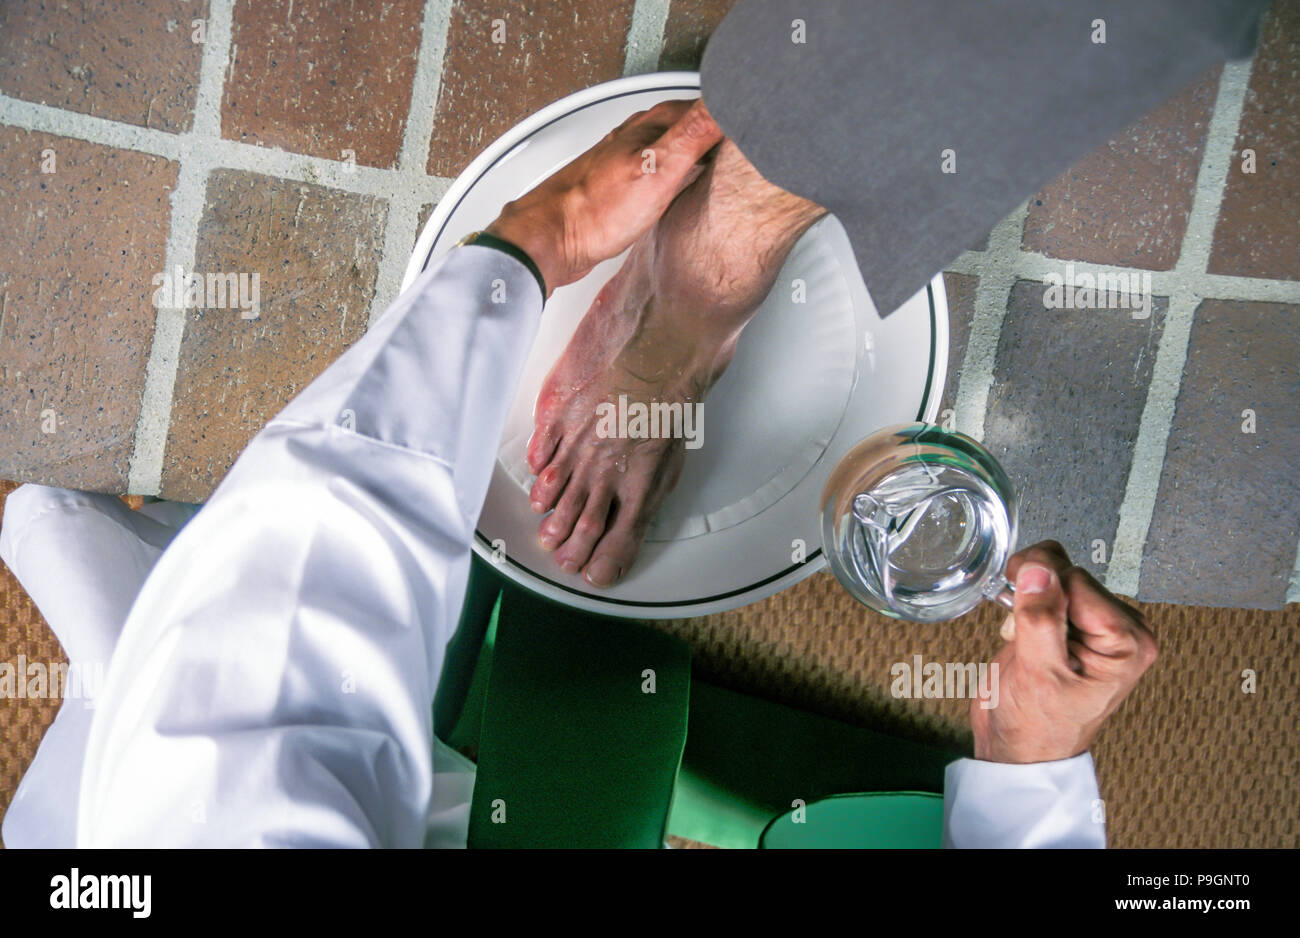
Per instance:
{"type": "Point", "coordinates": [1041, 804]}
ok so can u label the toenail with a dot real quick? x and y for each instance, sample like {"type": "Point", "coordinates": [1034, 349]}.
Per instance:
{"type": "Point", "coordinates": [602, 572]}
{"type": "Point", "coordinates": [569, 566]}
{"type": "Point", "coordinates": [549, 541]}
{"type": "Point", "coordinates": [538, 507]}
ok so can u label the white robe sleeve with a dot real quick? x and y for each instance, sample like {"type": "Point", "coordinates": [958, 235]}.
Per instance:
{"type": "Point", "coordinates": [273, 683]}
{"type": "Point", "coordinates": [1042, 804]}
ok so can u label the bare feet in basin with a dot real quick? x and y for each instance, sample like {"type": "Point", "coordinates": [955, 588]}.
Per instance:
{"type": "Point", "coordinates": [656, 339]}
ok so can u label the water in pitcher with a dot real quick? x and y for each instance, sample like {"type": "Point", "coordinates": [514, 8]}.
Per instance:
{"type": "Point", "coordinates": [920, 525]}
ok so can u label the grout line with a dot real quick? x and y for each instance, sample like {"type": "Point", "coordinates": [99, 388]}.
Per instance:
{"type": "Point", "coordinates": [1033, 266]}
{"type": "Point", "coordinates": [144, 476]}
{"type": "Point", "coordinates": [991, 296]}
{"type": "Point", "coordinates": [197, 153]}
{"type": "Point", "coordinates": [404, 206]}
{"type": "Point", "coordinates": [1123, 574]}
{"type": "Point", "coordinates": [1225, 287]}
{"type": "Point", "coordinates": [146, 465]}
{"type": "Point", "coordinates": [645, 37]}
{"type": "Point", "coordinates": [212, 69]}
{"type": "Point", "coordinates": [42, 118]}
{"type": "Point", "coordinates": [216, 153]}
{"type": "Point", "coordinates": [424, 90]}
{"type": "Point", "coordinates": [393, 184]}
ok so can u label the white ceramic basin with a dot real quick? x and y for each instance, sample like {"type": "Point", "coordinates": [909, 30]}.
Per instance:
{"type": "Point", "coordinates": [808, 381]}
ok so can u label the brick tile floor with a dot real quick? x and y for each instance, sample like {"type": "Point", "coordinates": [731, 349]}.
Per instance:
{"type": "Point", "coordinates": [687, 29]}
{"type": "Point", "coordinates": [83, 240]}
{"type": "Point", "coordinates": [1063, 416]}
{"type": "Point", "coordinates": [306, 79]}
{"type": "Point", "coordinates": [1127, 202]}
{"type": "Point", "coordinates": [1258, 234]}
{"type": "Point", "coordinates": [125, 60]}
{"type": "Point", "coordinates": [1228, 511]}
{"type": "Point", "coordinates": [291, 83]}
{"type": "Point", "coordinates": [503, 63]}
{"type": "Point", "coordinates": [961, 310]}
{"type": "Point", "coordinates": [238, 370]}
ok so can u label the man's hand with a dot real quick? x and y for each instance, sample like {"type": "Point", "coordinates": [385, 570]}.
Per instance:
{"type": "Point", "coordinates": [595, 207]}
{"type": "Point", "coordinates": [1073, 653]}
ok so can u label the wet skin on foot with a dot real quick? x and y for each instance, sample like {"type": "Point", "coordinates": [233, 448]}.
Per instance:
{"type": "Point", "coordinates": [662, 330]}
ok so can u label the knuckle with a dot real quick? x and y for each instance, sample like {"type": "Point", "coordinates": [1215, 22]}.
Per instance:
{"type": "Point", "coordinates": [1082, 577]}
{"type": "Point", "coordinates": [1047, 553]}
{"type": "Point", "coordinates": [696, 125]}
{"type": "Point", "coordinates": [1148, 648]}
{"type": "Point", "coordinates": [1052, 547]}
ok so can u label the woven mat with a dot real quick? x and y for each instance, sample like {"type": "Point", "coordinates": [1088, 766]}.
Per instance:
{"type": "Point", "coordinates": [22, 722]}
{"type": "Point", "coordinates": [1188, 761]}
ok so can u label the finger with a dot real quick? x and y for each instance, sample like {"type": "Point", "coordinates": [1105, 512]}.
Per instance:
{"type": "Point", "coordinates": [684, 144]}
{"type": "Point", "coordinates": [632, 119]}
{"type": "Point", "coordinates": [1040, 620]}
{"type": "Point", "coordinates": [1105, 624]}
{"type": "Point", "coordinates": [1048, 553]}
{"type": "Point", "coordinates": [1118, 672]}
{"type": "Point", "coordinates": [652, 123]}
{"type": "Point", "coordinates": [1077, 653]}
{"type": "Point", "coordinates": [1008, 630]}
{"type": "Point", "coordinates": [662, 116]}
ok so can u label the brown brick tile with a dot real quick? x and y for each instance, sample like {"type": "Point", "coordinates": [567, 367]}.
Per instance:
{"type": "Point", "coordinates": [961, 310]}
{"type": "Point", "coordinates": [1069, 387]}
{"type": "Point", "coordinates": [1227, 517]}
{"type": "Point", "coordinates": [423, 218]}
{"type": "Point", "coordinates": [310, 77]}
{"type": "Point", "coordinates": [550, 50]}
{"type": "Point", "coordinates": [127, 60]}
{"type": "Point", "coordinates": [82, 245]}
{"type": "Point", "coordinates": [1257, 234]}
{"type": "Point", "coordinates": [316, 252]}
{"type": "Point", "coordinates": [1127, 202]}
{"type": "Point", "coordinates": [689, 25]}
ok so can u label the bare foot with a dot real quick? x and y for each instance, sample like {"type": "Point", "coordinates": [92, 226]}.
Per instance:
{"type": "Point", "coordinates": [661, 331]}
